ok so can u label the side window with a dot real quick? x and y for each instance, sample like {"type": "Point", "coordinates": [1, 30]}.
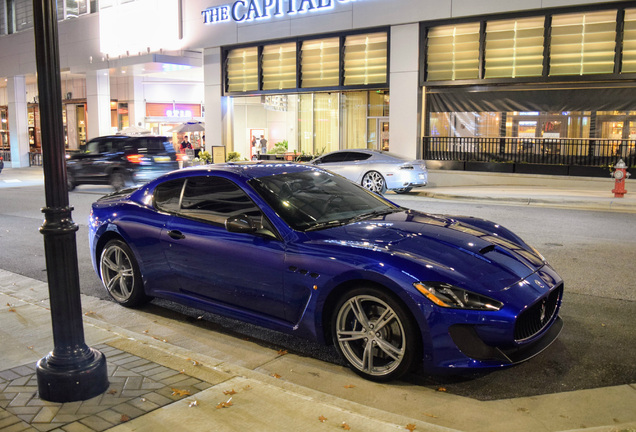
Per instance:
{"type": "Point", "coordinates": [336, 157]}
{"type": "Point", "coordinates": [105, 147]}
{"type": "Point", "coordinates": [92, 147]}
{"type": "Point", "coordinates": [215, 199]}
{"type": "Point", "coordinates": [357, 156]}
{"type": "Point", "coordinates": [167, 195]}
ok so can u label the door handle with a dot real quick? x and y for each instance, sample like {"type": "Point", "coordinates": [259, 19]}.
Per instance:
{"type": "Point", "coordinates": [175, 234]}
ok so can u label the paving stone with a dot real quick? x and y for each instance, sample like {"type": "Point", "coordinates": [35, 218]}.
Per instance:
{"type": "Point", "coordinates": [96, 423]}
{"type": "Point", "coordinates": [46, 414]}
{"type": "Point", "coordinates": [76, 427]}
{"type": "Point", "coordinates": [128, 409]}
{"type": "Point", "coordinates": [144, 404]}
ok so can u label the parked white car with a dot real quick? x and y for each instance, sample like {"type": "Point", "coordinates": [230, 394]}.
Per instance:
{"type": "Point", "coordinates": [375, 170]}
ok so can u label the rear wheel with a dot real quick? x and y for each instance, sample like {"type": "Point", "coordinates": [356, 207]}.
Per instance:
{"type": "Point", "coordinates": [117, 180]}
{"type": "Point", "coordinates": [403, 190]}
{"type": "Point", "coordinates": [374, 334]}
{"type": "Point", "coordinates": [120, 274]}
{"type": "Point", "coordinates": [374, 181]}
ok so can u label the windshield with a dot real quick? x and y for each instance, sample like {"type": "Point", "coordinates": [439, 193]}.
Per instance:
{"type": "Point", "coordinates": [311, 200]}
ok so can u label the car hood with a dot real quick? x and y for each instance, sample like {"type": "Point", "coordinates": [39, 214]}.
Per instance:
{"type": "Point", "coordinates": [445, 246]}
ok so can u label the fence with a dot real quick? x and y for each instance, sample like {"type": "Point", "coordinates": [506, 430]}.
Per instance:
{"type": "Point", "coordinates": [35, 158]}
{"type": "Point", "coordinates": [551, 151]}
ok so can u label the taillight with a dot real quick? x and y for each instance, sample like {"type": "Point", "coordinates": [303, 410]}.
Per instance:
{"type": "Point", "coordinates": [182, 157]}
{"type": "Point", "coordinates": [134, 158]}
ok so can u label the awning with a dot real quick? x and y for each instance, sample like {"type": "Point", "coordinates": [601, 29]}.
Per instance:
{"type": "Point", "coordinates": [483, 99]}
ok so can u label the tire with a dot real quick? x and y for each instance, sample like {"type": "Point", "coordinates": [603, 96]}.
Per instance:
{"type": "Point", "coordinates": [70, 182]}
{"type": "Point", "coordinates": [374, 181]}
{"type": "Point", "coordinates": [357, 332]}
{"type": "Point", "coordinates": [403, 190]}
{"type": "Point", "coordinates": [117, 180]}
{"type": "Point", "coordinates": [120, 274]}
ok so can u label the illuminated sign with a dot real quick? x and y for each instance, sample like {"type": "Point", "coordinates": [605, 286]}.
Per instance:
{"type": "Point", "coordinates": [250, 10]}
{"type": "Point", "coordinates": [178, 113]}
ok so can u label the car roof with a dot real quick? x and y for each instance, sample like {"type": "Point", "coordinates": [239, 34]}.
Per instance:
{"type": "Point", "coordinates": [251, 169]}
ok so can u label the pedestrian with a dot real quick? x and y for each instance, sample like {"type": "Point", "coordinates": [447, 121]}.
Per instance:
{"type": "Point", "coordinates": [263, 143]}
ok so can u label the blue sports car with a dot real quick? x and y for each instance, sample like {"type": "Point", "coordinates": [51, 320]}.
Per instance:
{"type": "Point", "coordinates": [301, 250]}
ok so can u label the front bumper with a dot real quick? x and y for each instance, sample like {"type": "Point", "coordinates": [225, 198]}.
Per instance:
{"type": "Point", "coordinates": [465, 339]}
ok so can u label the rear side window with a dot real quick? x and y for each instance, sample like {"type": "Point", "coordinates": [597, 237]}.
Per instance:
{"type": "Point", "coordinates": [357, 156]}
{"type": "Point", "coordinates": [167, 195]}
{"type": "Point", "coordinates": [332, 158]}
{"type": "Point", "coordinates": [153, 146]}
{"type": "Point", "coordinates": [215, 196]}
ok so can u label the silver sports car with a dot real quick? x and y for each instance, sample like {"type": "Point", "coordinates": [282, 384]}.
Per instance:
{"type": "Point", "coordinates": [376, 170]}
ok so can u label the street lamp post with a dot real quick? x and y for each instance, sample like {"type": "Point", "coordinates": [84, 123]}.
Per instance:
{"type": "Point", "coordinates": [72, 371]}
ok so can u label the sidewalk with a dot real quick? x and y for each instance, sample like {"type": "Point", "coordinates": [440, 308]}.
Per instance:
{"type": "Point", "coordinates": [161, 380]}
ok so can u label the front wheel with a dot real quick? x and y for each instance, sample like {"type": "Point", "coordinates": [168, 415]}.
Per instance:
{"type": "Point", "coordinates": [374, 334]}
{"type": "Point", "coordinates": [117, 180]}
{"type": "Point", "coordinates": [120, 274]}
{"type": "Point", "coordinates": [374, 181]}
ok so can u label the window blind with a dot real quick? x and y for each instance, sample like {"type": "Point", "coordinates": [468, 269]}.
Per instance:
{"type": "Point", "coordinates": [583, 43]}
{"type": "Point", "coordinates": [453, 52]}
{"type": "Point", "coordinates": [629, 42]}
{"type": "Point", "coordinates": [279, 66]}
{"type": "Point", "coordinates": [365, 59]}
{"type": "Point", "coordinates": [320, 63]}
{"type": "Point", "coordinates": [514, 48]}
{"type": "Point", "coordinates": [242, 69]}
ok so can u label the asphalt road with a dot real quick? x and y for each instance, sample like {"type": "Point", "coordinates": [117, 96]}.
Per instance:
{"type": "Point", "coordinates": [595, 253]}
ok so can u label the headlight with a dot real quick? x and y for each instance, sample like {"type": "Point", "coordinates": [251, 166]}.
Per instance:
{"type": "Point", "coordinates": [450, 296]}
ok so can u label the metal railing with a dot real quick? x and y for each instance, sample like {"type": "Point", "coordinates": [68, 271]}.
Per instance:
{"type": "Point", "coordinates": [551, 151]}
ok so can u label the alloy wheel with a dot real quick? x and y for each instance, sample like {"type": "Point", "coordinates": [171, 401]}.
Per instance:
{"type": "Point", "coordinates": [374, 181]}
{"type": "Point", "coordinates": [371, 335]}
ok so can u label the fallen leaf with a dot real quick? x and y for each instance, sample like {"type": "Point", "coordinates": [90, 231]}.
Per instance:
{"type": "Point", "coordinates": [112, 391]}
{"type": "Point", "coordinates": [226, 404]}
{"type": "Point", "coordinates": [430, 415]}
{"type": "Point", "coordinates": [200, 317]}
{"type": "Point", "coordinates": [11, 309]}
{"type": "Point", "coordinates": [143, 399]}
{"type": "Point", "coordinates": [124, 418]}
{"type": "Point", "coordinates": [411, 427]}
{"type": "Point", "coordinates": [282, 352]}
{"type": "Point", "coordinates": [322, 419]}
{"type": "Point", "coordinates": [90, 313]}
{"type": "Point", "coordinates": [182, 371]}
{"type": "Point", "coordinates": [193, 404]}
{"type": "Point", "coordinates": [441, 389]}
{"type": "Point", "coordinates": [145, 331]}
{"type": "Point", "coordinates": [349, 386]}
{"type": "Point", "coordinates": [275, 375]}
{"type": "Point", "coordinates": [30, 347]}
{"type": "Point", "coordinates": [247, 387]}
{"type": "Point", "coordinates": [229, 392]}
{"type": "Point", "coordinates": [177, 392]}
{"type": "Point", "coordinates": [195, 363]}
{"type": "Point", "coordinates": [345, 426]}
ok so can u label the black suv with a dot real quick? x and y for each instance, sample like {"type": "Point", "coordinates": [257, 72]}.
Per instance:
{"type": "Point", "coordinates": [121, 160]}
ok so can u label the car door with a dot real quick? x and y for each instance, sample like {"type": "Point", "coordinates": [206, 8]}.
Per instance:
{"type": "Point", "coordinates": [92, 166]}
{"type": "Point", "coordinates": [240, 270]}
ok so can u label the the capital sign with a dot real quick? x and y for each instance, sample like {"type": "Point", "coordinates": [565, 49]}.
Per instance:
{"type": "Point", "coordinates": [251, 10]}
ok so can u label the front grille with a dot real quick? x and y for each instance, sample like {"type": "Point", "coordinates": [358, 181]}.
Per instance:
{"type": "Point", "coordinates": [535, 318]}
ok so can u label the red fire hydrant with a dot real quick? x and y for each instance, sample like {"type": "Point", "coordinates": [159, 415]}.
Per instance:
{"type": "Point", "coordinates": [620, 174]}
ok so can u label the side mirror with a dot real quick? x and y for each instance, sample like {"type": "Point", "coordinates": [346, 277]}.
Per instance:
{"type": "Point", "coordinates": [240, 224]}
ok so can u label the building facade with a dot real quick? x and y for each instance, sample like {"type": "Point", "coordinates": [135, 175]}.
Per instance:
{"type": "Point", "coordinates": [510, 85]}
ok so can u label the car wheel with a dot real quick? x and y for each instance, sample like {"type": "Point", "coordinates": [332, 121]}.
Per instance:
{"type": "Point", "coordinates": [374, 181]}
{"type": "Point", "coordinates": [120, 274]}
{"type": "Point", "coordinates": [70, 181]}
{"type": "Point", "coordinates": [374, 334]}
{"type": "Point", "coordinates": [403, 190]}
{"type": "Point", "coordinates": [117, 180]}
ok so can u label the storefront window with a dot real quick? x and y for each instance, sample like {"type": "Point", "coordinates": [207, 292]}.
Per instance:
{"type": "Point", "coordinates": [4, 130]}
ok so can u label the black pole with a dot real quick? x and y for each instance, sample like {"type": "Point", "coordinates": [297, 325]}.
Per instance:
{"type": "Point", "coordinates": [72, 371]}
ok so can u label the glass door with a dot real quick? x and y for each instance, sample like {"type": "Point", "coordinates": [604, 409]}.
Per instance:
{"type": "Point", "coordinates": [378, 133]}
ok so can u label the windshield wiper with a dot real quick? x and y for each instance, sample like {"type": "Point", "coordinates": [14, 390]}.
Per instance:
{"type": "Point", "coordinates": [323, 225]}
{"type": "Point", "coordinates": [373, 214]}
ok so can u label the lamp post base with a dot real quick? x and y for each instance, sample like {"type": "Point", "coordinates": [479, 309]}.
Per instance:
{"type": "Point", "coordinates": [72, 379]}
